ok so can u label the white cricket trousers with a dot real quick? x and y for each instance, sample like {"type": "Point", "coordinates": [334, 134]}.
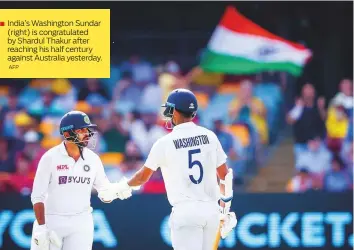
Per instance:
{"type": "Point", "coordinates": [76, 231]}
{"type": "Point", "coordinates": [194, 225]}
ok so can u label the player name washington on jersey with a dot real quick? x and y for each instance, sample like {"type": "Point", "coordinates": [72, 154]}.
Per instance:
{"type": "Point", "coordinates": [188, 158]}
{"type": "Point", "coordinates": [191, 141]}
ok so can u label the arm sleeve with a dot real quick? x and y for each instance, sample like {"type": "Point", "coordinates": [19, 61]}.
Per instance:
{"type": "Point", "coordinates": [296, 112]}
{"type": "Point", "coordinates": [101, 180]}
{"type": "Point", "coordinates": [221, 157]}
{"type": "Point", "coordinates": [41, 180]}
{"type": "Point", "coordinates": [154, 158]}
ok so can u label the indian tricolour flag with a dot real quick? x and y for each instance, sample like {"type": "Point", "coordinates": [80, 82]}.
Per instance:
{"type": "Point", "coordinates": [239, 46]}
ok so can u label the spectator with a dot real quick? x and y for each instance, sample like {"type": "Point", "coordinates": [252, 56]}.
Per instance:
{"type": "Point", "coordinates": [7, 114]}
{"type": "Point", "coordinates": [46, 105]}
{"type": "Point", "coordinates": [168, 79]}
{"type": "Point", "coordinates": [307, 118]}
{"type": "Point", "coordinates": [7, 156]}
{"type": "Point", "coordinates": [65, 94]}
{"type": "Point", "coordinates": [23, 123]}
{"type": "Point", "coordinates": [132, 161]}
{"type": "Point", "coordinates": [22, 180]}
{"type": "Point", "coordinates": [347, 156]}
{"type": "Point", "coordinates": [226, 139]}
{"type": "Point", "coordinates": [232, 148]}
{"type": "Point", "coordinates": [152, 96]}
{"type": "Point", "coordinates": [337, 179]}
{"type": "Point", "coordinates": [146, 132]}
{"type": "Point", "coordinates": [127, 91]}
{"type": "Point", "coordinates": [94, 93]}
{"type": "Point", "coordinates": [317, 158]}
{"type": "Point", "coordinates": [349, 135]}
{"type": "Point", "coordinates": [116, 137]}
{"type": "Point", "coordinates": [32, 151]}
{"type": "Point", "coordinates": [173, 78]}
{"type": "Point", "coordinates": [301, 182]}
{"type": "Point", "coordinates": [337, 124]}
{"type": "Point", "coordinates": [246, 108]}
{"type": "Point", "coordinates": [345, 96]}
{"type": "Point", "coordinates": [142, 71]}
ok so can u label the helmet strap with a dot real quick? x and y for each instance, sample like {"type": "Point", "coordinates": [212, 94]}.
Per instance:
{"type": "Point", "coordinates": [80, 150]}
{"type": "Point", "coordinates": [80, 145]}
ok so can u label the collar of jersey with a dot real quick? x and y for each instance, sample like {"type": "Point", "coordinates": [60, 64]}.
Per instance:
{"type": "Point", "coordinates": [184, 125]}
{"type": "Point", "coordinates": [63, 149]}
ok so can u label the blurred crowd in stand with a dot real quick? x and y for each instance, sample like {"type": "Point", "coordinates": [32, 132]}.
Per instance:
{"type": "Point", "coordinates": [323, 134]}
{"type": "Point", "coordinates": [245, 112]}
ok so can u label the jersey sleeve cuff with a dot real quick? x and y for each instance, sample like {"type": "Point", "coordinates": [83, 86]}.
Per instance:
{"type": "Point", "coordinates": [221, 163]}
{"type": "Point", "coordinates": [37, 200]}
{"type": "Point", "coordinates": [153, 169]}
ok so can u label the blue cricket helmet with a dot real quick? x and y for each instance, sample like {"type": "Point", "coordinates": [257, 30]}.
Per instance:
{"type": "Point", "coordinates": [74, 120]}
{"type": "Point", "coordinates": [183, 100]}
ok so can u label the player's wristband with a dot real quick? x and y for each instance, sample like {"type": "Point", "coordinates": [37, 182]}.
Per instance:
{"type": "Point", "coordinates": [226, 199]}
{"type": "Point", "coordinates": [223, 198]}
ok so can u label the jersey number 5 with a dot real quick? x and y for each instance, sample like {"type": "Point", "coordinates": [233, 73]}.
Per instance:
{"type": "Point", "coordinates": [192, 163]}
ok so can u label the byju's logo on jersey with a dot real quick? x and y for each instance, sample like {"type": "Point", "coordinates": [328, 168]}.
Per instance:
{"type": "Point", "coordinates": [62, 167]}
{"type": "Point", "coordinates": [63, 179]}
{"type": "Point", "coordinates": [74, 180]}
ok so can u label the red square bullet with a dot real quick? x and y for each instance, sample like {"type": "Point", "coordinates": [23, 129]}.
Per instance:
{"type": "Point", "coordinates": [2, 23]}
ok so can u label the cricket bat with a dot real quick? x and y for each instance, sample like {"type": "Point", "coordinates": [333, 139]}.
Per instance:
{"type": "Point", "coordinates": [217, 238]}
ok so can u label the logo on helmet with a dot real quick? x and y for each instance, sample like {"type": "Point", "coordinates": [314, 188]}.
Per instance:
{"type": "Point", "coordinates": [191, 106]}
{"type": "Point", "coordinates": [87, 119]}
{"type": "Point", "coordinates": [67, 128]}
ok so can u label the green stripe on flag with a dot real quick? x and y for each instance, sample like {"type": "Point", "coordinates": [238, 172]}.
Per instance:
{"type": "Point", "coordinates": [213, 62]}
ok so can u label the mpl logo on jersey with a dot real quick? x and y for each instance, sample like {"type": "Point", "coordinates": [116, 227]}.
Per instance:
{"type": "Point", "coordinates": [74, 179]}
{"type": "Point", "coordinates": [62, 167]}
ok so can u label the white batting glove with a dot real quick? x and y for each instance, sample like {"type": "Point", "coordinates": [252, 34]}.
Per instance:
{"type": "Point", "coordinates": [41, 237]}
{"type": "Point", "coordinates": [44, 237]}
{"type": "Point", "coordinates": [229, 222]}
{"type": "Point", "coordinates": [55, 239]}
{"type": "Point", "coordinates": [120, 190]}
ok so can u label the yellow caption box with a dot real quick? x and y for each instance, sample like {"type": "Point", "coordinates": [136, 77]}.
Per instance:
{"type": "Point", "coordinates": [57, 43]}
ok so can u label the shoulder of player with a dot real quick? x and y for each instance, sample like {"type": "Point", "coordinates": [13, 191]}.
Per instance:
{"type": "Point", "coordinates": [162, 140]}
{"type": "Point", "coordinates": [207, 131]}
{"type": "Point", "coordinates": [54, 151]}
{"type": "Point", "coordinates": [212, 136]}
{"type": "Point", "coordinates": [48, 156]}
{"type": "Point", "coordinates": [91, 154]}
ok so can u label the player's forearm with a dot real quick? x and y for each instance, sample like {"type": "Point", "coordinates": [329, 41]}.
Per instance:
{"type": "Point", "coordinates": [137, 180]}
{"type": "Point", "coordinates": [140, 177]}
{"type": "Point", "coordinates": [39, 212]}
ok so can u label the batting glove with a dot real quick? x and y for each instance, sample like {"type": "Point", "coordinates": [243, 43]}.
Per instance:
{"type": "Point", "coordinates": [120, 190]}
{"type": "Point", "coordinates": [229, 222]}
{"type": "Point", "coordinates": [44, 237]}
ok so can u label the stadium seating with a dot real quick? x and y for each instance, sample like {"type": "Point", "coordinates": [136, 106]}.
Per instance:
{"type": "Point", "coordinates": [241, 132]}
{"type": "Point", "coordinates": [48, 142]}
{"type": "Point", "coordinates": [83, 106]}
{"type": "Point", "coordinates": [111, 158]}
